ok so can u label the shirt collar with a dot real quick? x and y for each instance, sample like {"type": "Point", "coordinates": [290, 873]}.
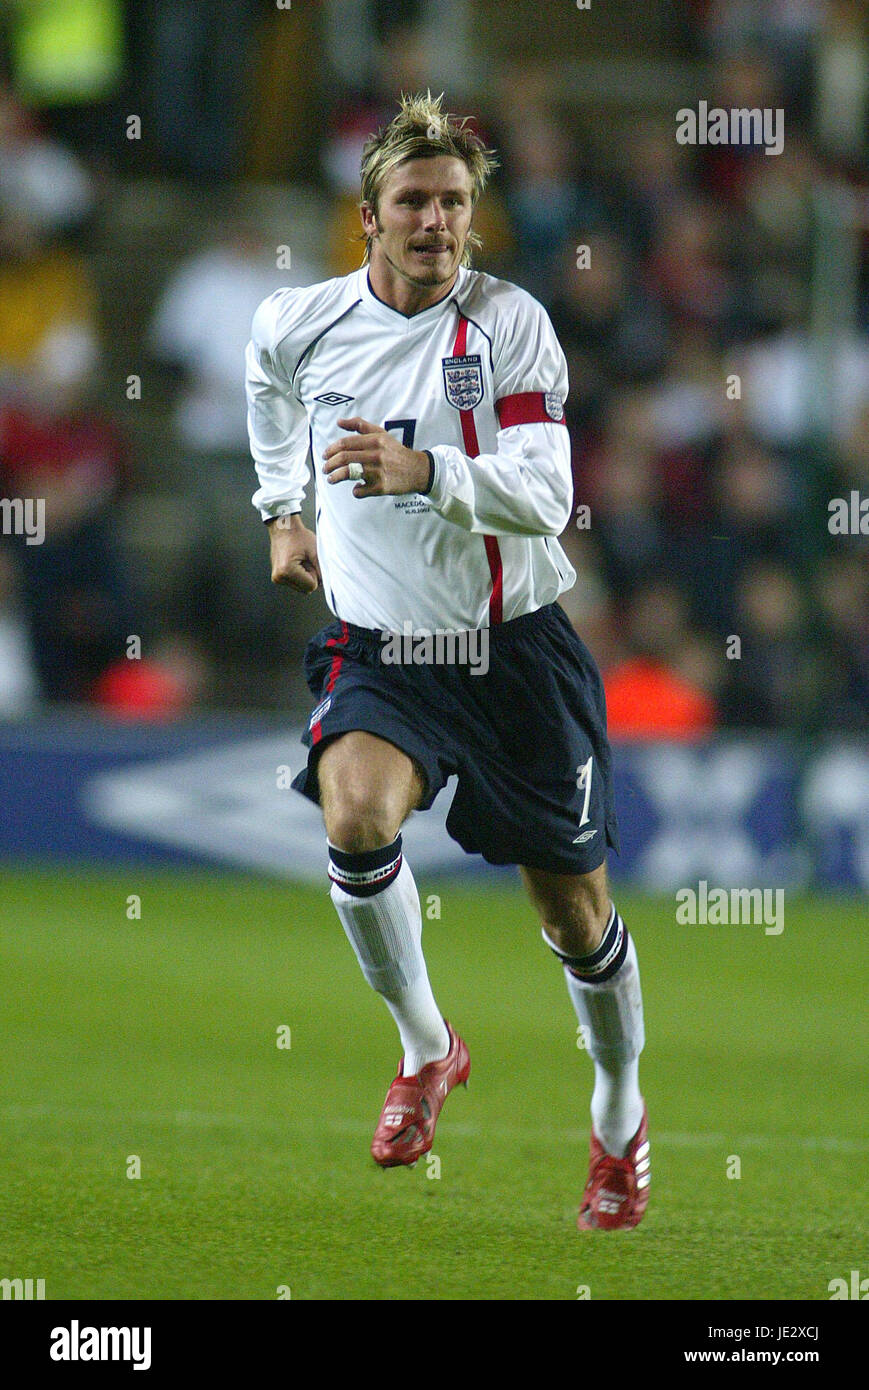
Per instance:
{"type": "Point", "coordinates": [398, 321]}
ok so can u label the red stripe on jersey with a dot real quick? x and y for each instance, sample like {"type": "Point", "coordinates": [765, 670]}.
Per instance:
{"type": "Point", "coordinates": [460, 346]}
{"type": "Point", "coordinates": [527, 408]}
{"type": "Point", "coordinates": [472, 448]}
{"type": "Point", "coordinates": [493, 555]}
{"type": "Point", "coordinates": [334, 673]}
{"type": "Point", "coordinates": [469, 433]}
{"type": "Point", "coordinates": [469, 428]}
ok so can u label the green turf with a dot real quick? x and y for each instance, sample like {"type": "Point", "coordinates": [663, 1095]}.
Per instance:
{"type": "Point", "coordinates": [157, 1038]}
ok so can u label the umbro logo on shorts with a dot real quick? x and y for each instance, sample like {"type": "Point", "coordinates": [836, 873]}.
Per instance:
{"type": "Point", "coordinates": [586, 835]}
{"type": "Point", "coordinates": [333, 398]}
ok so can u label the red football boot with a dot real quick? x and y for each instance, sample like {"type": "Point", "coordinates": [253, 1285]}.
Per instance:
{"type": "Point", "coordinates": [617, 1191]}
{"type": "Point", "coordinates": [405, 1130]}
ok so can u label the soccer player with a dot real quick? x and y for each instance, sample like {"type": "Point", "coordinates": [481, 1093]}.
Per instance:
{"type": "Point", "coordinates": [427, 400]}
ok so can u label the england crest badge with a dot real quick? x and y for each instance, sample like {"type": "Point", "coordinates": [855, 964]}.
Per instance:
{"type": "Point", "coordinates": [463, 381]}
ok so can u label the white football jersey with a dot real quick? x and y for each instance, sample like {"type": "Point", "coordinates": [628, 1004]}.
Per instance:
{"type": "Point", "coordinates": [479, 380]}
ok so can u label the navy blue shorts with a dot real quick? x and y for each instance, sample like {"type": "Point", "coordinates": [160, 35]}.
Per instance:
{"type": "Point", "coordinates": [527, 739]}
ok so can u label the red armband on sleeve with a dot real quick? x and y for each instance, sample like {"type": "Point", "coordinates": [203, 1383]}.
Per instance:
{"type": "Point", "coordinates": [530, 408]}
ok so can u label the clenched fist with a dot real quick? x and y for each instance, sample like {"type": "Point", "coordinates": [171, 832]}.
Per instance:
{"type": "Point", "coordinates": [294, 554]}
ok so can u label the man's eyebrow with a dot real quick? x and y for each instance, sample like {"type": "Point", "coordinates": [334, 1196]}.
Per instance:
{"type": "Point", "coordinates": [401, 191]}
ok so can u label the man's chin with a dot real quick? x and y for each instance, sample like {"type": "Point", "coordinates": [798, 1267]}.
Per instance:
{"type": "Point", "coordinates": [430, 274]}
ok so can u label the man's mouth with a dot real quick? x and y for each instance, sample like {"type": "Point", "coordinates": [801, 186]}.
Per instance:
{"type": "Point", "coordinates": [430, 250]}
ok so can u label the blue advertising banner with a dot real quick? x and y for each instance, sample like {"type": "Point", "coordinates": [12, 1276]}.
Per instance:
{"type": "Point", "coordinates": [217, 791]}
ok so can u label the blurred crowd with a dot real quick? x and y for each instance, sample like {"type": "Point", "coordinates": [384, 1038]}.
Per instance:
{"type": "Point", "coordinates": [719, 367]}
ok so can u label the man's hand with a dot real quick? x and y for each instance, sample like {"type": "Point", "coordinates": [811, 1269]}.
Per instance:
{"type": "Point", "coordinates": [294, 554]}
{"type": "Point", "coordinates": [390, 468]}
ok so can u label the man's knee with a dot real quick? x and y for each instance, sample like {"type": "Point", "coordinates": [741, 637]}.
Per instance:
{"type": "Point", "coordinates": [356, 822]}
{"type": "Point", "coordinates": [578, 929]}
{"type": "Point", "coordinates": [574, 909]}
{"type": "Point", "coordinates": [366, 792]}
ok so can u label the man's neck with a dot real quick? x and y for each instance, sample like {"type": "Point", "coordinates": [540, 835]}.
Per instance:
{"type": "Point", "coordinates": [402, 294]}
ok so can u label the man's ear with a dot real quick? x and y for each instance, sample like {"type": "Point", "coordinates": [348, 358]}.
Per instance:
{"type": "Point", "coordinates": [369, 219]}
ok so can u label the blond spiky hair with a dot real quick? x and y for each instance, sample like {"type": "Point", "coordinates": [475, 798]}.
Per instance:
{"type": "Point", "coordinates": [421, 130]}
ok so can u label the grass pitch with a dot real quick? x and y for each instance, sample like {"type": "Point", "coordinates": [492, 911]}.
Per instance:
{"type": "Point", "coordinates": [156, 1039]}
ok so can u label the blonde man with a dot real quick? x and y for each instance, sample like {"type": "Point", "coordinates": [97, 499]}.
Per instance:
{"type": "Point", "coordinates": [427, 399]}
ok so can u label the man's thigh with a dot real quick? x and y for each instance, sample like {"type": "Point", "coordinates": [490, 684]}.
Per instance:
{"type": "Point", "coordinates": [368, 788]}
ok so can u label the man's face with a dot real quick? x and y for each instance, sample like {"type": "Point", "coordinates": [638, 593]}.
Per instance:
{"type": "Point", "coordinates": [423, 219]}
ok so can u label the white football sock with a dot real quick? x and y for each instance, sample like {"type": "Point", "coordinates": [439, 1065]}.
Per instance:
{"type": "Point", "coordinates": [604, 988]}
{"type": "Point", "coordinates": [385, 931]}
{"type": "Point", "coordinates": [616, 1105]}
{"type": "Point", "coordinates": [612, 1012]}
